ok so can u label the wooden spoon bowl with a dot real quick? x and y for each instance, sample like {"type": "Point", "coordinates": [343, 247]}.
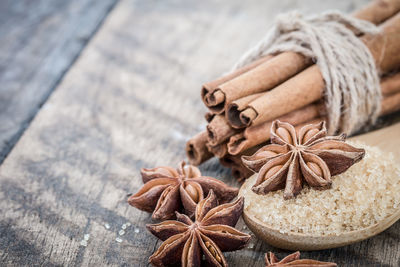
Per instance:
{"type": "Point", "coordinates": [387, 140]}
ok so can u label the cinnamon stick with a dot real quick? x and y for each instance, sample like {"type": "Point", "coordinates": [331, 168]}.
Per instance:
{"type": "Point", "coordinates": [307, 86]}
{"type": "Point", "coordinates": [378, 11]}
{"type": "Point", "coordinates": [390, 104]}
{"type": "Point", "coordinates": [255, 135]}
{"type": "Point", "coordinates": [258, 134]}
{"type": "Point", "coordinates": [210, 86]}
{"type": "Point", "coordinates": [259, 79]}
{"type": "Point", "coordinates": [390, 84]}
{"type": "Point", "coordinates": [283, 66]}
{"type": "Point", "coordinates": [234, 108]}
{"type": "Point", "coordinates": [375, 12]}
{"type": "Point", "coordinates": [196, 149]}
{"type": "Point", "coordinates": [219, 130]}
{"type": "Point", "coordinates": [209, 116]}
{"type": "Point", "coordinates": [219, 150]}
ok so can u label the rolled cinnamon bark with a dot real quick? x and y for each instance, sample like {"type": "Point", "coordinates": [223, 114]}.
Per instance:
{"type": "Point", "coordinates": [390, 104]}
{"type": "Point", "coordinates": [390, 84]}
{"type": "Point", "coordinates": [234, 108]}
{"type": "Point", "coordinates": [391, 90]}
{"type": "Point", "coordinates": [209, 116]}
{"type": "Point", "coordinates": [259, 79]}
{"type": "Point", "coordinates": [378, 11]}
{"type": "Point", "coordinates": [219, 150]}
{"type": "Point", "coordinates": [258, 134]}
{"type": "Point", "coordinates": [308, 86]}
{"type": "Point", "coordinates": [283, 66]}
{"type": "Point", "coordinates": [196, 149]}
{"type": "Point", "coordinates": [375, 12]}
{"type": "Point", "coordinates": [219, 130]}
{"type": "Point", "coordinates": [210, 86]}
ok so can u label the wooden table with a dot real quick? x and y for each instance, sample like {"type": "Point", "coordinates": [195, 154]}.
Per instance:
{"type": "Point", "coordinates": [90, 92]}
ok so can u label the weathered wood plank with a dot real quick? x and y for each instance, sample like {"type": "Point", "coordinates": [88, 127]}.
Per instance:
{"type": "Point", "coordinates": [39, 40]}
{"type": "Point", "coordinates": [130, 101]}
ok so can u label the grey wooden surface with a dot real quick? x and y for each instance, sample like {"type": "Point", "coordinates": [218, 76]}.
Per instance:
{"type": "Point", "coordinates": [131, 100]}
{"type": "Point", "coordinates": [39, 40]}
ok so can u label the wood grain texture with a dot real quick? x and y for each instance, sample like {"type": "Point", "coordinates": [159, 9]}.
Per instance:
{"type": "Point", "coordinates": [39, 40]}
{"type": "Point", "coordinates": [132, 100]}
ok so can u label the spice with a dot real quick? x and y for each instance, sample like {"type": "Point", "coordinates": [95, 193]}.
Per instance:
{"type": "Point", "coordinates": [257, 106]}
{"type": "Point", "coordinates": [196, 149]}
{"type": "Point", "coordinates": [210, 234]}
{"type": "Point", "coordinates": [167, 190]}
{"type": "Point", "coordinates": [255, 135]}
{"type": "Point", "coordinates": [219, 150]}
{"type": "Point", "coordinates": [308, 86]}
{"type": "Point", "coordinates": [293, 158]}
{"type": "Point", "coordinates": [216, 101]}
{"type": "Point", "coordinates": [294, 260]}
{"type": "Point", "coordinates": [261, 79]}
{"type": "Point", "coordinates": [219, 130]}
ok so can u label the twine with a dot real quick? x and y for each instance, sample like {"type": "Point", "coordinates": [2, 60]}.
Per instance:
{"type": "Point", "coordinates": [352, 90]}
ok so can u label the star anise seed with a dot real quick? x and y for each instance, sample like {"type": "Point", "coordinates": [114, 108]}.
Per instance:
{"type": "Point", "coordinates": [212, 232]}
{"type": "Point", "coordinates": [294, 260]}
{"type": "Point", "coordinates": [293, 158]}
{"type": "Point", "coordinates": [167, 190]}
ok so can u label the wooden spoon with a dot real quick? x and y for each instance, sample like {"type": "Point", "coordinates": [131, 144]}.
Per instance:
{"type": "Point", "coordinates": [388, 140]}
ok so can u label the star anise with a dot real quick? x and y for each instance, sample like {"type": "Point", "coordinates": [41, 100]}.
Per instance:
{"type": "Point", "coordinates": [167, 190]}
{"type": "Point", "coordinates": [294, 260]}
{"type": "Point", "coordinates": [210, 234]}
{"type": "Point", "coordinates": [294, 158]}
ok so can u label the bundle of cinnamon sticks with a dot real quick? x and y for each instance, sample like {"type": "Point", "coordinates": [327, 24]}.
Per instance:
{"type": "Point", "coordinates": [288, 87]}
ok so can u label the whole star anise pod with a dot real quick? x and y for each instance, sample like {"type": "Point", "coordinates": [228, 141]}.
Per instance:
{"type": "Point", "coordinates": [294, 260]}
{"type": "Point", "coordinates": [294, 158]}
{"type": "Point", "coordinates": [210, 234]}
{"type": "Point", "coordinates": [167, 190]}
